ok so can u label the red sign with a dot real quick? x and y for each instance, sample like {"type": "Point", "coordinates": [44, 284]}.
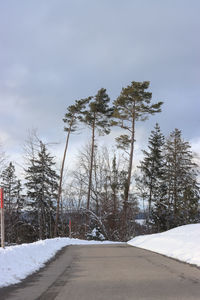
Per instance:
{"type": "Point", "coordinates": [1, 194]}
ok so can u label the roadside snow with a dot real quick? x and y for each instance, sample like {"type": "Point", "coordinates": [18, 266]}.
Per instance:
{"type": "Point", "coordinates": [140, 221]}
{"type": "Point", "coordinates": [17, 262]}
{"type": "Point", "coordinates": [182, 243]}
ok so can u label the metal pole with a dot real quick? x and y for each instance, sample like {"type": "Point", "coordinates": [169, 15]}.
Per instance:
{"type": "Point", "coordinates": [2, 220]}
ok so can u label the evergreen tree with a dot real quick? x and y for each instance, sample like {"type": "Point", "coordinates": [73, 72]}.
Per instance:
{"type": "Point", "coordinates": [115, 185]}
{"type": "Point", "coordinates": [97, 118]}
{"type": "Point", "coordinates": [71, 120]}
{"type": "Point", "coordinates": [133, 104]}
{"type": "Point", "coordinates": [10, 184]}
{"type": "Point", "coordinates": [19, 197]}
{"type": "Point", "coordinates": [42, 190]}
{"type": "Point", "coordinates": [152, 167]}
{"type": "Point", "coordinates": [178, 203]}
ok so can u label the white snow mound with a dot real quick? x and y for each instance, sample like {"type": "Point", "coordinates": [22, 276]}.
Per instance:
{"type": "Point", "coordinates": [182, 243]}
{"type": "Point", "coordinates": [17, 262]}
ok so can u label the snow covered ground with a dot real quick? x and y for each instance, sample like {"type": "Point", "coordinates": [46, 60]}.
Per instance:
{"type": "Point", "coordinates": [182, 243]}
{"type": "Point", "coordinates": [17, 262]}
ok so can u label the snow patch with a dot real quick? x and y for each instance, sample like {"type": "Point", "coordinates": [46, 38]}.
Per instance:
{"type": "Point", "coordinates": [182, 243]}
{"type": "Point", "coordinates": [17, 262]}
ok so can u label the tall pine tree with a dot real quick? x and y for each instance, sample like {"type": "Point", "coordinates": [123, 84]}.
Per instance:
{"type": "Point", "coordinates": [71, 121]}
{"type": "Point", "coordinates": [133, 104]}
{"type": "Point", "coordinates": [97, 118]}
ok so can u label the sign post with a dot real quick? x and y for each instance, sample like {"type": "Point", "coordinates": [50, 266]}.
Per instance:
{"type": "Point", "coordinates": [2, 220]}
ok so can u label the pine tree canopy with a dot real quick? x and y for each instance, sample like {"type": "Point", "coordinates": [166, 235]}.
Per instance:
{"type": "Point", "coordinates": [123, 142]}
{"type": "Point", "coordinates": [73, 113]}
{"type": "Point", "coordinates": [134, 101]}
{"type": "Point", "coordinates": [98, 113]}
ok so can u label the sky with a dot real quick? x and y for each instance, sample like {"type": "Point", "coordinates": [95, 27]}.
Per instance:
{"type": "Point", "coordinates": [53, 52]}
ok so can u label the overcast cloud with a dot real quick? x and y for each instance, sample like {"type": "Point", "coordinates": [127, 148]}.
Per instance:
{"type": "Point", "coordinates": [55, 51]}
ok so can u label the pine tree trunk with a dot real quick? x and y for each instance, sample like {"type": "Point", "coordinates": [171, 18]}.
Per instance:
{"type": "Point", "coordinates": [91, 166]}
{"type": "Point", "coordinates": [61, 178]}
{"type": "Point", "coordinates": [95, 178]}
{"type": "Point", "coordinates": [127, 187]}
{"type": "Point", "coordinates": [90, 174]}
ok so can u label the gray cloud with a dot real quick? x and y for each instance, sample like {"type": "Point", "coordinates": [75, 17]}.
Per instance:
{"type": "Point", "coordinates": [53, 52]}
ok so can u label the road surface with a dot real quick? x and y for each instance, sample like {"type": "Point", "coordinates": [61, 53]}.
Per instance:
{"type": "Point", "coordinates": [110, 272]}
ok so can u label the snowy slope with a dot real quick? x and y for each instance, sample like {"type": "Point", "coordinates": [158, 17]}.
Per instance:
{"type": "Point", "coordinates": [17, 262]}
{"type": "Point", "coordinates": [182, 243]}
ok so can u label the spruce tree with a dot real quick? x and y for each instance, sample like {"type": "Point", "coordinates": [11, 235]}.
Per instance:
{"type": "Point", "coordinates": [178, 203]}
{"type": "Point", "coordinates": [42, 187]}
{"type": "Point", "coordinates": [152, 167]}
{"type": "Point", "coordinates": [133, 104]}
{"type": "Point", "coordinates": [10, 185]}
{"type": "Point", "coordinates": [20, 201]}
{"type": "Point", "coordinates": [115, 185]}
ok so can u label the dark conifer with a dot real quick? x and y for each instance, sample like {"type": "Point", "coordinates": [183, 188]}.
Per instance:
{"type": "Point", "coordinates": [9, 183]}
{"type": "Point", "coordinates": [41, 183]}
{"type": "Point", "coordinates": [178, 203]}
{"type": "Point", "coordinates": [152, 166]}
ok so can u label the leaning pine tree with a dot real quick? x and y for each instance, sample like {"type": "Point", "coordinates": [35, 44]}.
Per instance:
{"type": "Point", "coordinates": [133, 104]}
{"type": "Point", "coordinates": [71, 120]}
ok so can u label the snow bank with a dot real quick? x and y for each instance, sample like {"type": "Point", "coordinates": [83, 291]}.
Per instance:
{"type": "Point", "coordinates": [17, 262]}
{"type": "Point", "coordinates": [140, 221]}
{"type": "Point", "coordinates": [182, 243]}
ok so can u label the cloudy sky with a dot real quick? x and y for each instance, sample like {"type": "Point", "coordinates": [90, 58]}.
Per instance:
{"type": "Point", "coordinates": [55, 51]}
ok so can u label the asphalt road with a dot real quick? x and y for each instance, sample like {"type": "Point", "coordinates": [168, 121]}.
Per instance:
{"type": "Point", "coordinates": [108, 272]}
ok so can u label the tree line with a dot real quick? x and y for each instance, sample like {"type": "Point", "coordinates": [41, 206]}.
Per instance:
{"type": "Point", "coordinates": [168, 181]}
{"type": "Point", "coordinates": [103, 196]}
